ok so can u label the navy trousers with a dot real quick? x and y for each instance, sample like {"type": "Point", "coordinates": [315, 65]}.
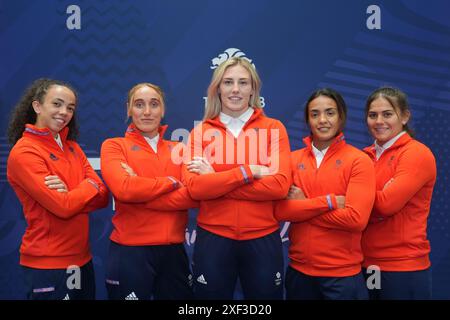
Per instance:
{"type": "Point", "coordinates": [219, 262]}
{"type": "Point", "coordinates": [404, 285]}
{"type": "Point", "coordinates": [60, 284]}
{"type": "Point", "coordinates": [300, 286]}
{"type": "Point", "coordinates": [159, 272]}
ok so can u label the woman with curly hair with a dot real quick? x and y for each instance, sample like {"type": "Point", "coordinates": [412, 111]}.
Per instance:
{"type": "Point", "coordinates": [57, 188]}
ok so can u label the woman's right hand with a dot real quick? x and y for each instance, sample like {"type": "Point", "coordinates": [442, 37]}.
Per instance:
{"type": "Point", "coordinates": [340, 200]}
{"type": "Point", "coordinates": [295, 193]}
{"type": "Point", "coordinates": [258, 171]}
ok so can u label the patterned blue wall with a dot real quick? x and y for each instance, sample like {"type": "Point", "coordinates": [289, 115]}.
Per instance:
{"type": "Point", "coordinates": [296, 46]}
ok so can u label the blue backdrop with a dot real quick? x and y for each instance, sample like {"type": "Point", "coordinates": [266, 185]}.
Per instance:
{"type": "Point", "coordinates": [104, 47]}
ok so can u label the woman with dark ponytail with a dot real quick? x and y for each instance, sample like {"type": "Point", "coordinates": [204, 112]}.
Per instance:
{"type": "Point", "coordinates": [328, 206]}
{"type": "Point", "coordinates": [395, 241]}
{"type": "Point", "coordinates": [57, 188]}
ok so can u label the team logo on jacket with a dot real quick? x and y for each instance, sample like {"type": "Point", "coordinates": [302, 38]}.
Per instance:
{"type": "Point", "coordinates": [135, 148]}
{"type": "Point", "coordinates": [391, 160]}
{"type": "Point", "coordinates": [72, 150]}
{"type": "Point", "coordinates": [227, 54]}
{"type": "Point", "coordinates": [53, 157]}
{"type": "Point", "coordinates": [338, 163]}
{"type": "Point", "coordinates": [301, 166]}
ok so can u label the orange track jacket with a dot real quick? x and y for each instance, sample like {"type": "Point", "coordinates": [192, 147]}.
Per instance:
{"type": "Point", "coordinates": [151, 207]}
{"type": "Point", "coordinates": [232, 203]}
{"type": "Point", "coordinates": [57, 234]}
{"type": "Point", "coordinates": [396, 237]}
{"type": "Point", "coordinates": [325, 241]}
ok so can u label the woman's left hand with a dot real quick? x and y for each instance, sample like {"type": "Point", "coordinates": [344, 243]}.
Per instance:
{"type": "Point", "coordinates": [54, 182]}
{"type": "Point", "coordinates": [388, 183]}
{"type": "Point", "coordinates": [295, 193]}
{"type": "Point", "coordinates": [200, 165]}
{"type": "Point", "coordinates": [128, 169]}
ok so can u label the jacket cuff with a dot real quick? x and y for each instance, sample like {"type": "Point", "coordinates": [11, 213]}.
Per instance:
{"type": "Point", "coordinates": [92, 182]}
{"type": "Point", "coordinates": [175, 182]}
{"type": "Point", "coordinates": [246, 173]}
{"type": "Point", "coordinates": [331, 201]}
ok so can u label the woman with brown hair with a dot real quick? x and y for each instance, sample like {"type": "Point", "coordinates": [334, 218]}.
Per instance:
{"type": "Point", "coordinates": [395, 241]}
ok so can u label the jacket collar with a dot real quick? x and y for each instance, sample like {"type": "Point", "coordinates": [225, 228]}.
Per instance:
{"type": "Point", "coordinates": [44, 133]}
{"type": "Point", "coordinates": [243, 118]}
{"type": "Point", "coordinates": [404, 139]}
{"type": "Point", "coordinates": [338, 141]}
{"type": "Point", "coordinates": [258, 112]}
{"type": "Point", "coordinates": [134, 132]}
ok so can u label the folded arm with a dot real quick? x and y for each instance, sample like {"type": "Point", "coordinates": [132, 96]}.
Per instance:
{"type": "Point", "coordinates": [300, 210]}
{"type": "Point", "coordinates": [204, 184]}
{"type": "Point", "coordinates": [102, 198]}
{"type": "Point", "coordinates": [359, 199]}
{"type": "Point", "coordinates": [173, 201]}
{"type": "Point", "coordinates": [276, 185]}
{"type": "Point", "coordinates": [126, 187]}
{"type": "Point", "coordinates": [28, 170]}
{"type": "Point", "coordinates": [412, 174]}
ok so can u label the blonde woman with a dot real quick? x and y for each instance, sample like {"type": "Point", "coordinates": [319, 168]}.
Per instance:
{"type": "Point", "coordinates": [238, 166]}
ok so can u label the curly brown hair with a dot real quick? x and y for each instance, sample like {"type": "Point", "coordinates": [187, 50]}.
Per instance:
{"type": "Point", "coordinates": [23, 112]}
